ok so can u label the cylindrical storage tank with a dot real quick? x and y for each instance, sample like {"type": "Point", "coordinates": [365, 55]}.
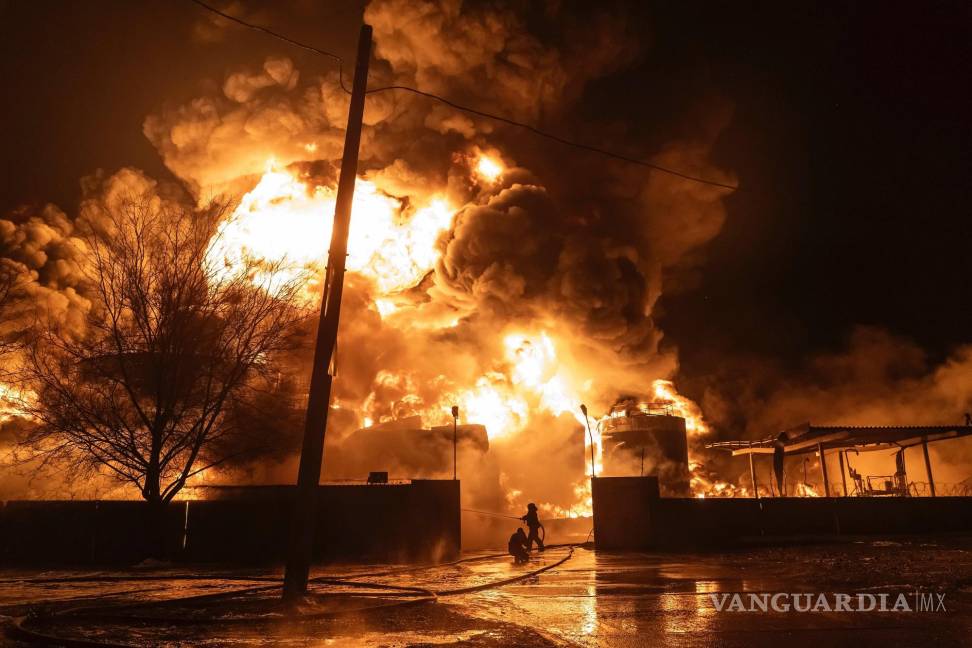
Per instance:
{"type": "Point", "coordinates": [647, 441]}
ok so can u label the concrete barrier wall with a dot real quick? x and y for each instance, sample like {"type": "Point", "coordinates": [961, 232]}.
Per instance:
{"type": "Point", "coordinates": [400, 522]}
{"type": "Point", "coordinates": [624, 519]}
{"type": "Point", "coordinates": [624, 504]}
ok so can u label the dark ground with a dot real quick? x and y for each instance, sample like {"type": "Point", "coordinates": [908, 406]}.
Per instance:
{"type": "Point", "coordinates": [593, 599]}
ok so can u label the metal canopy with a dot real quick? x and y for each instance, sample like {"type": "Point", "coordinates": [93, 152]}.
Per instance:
{"type": "Point", "coordinates": [809, 438]}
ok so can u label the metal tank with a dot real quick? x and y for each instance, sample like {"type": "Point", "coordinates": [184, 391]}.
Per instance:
{"type": "Point", "coordinates": [642, 438]}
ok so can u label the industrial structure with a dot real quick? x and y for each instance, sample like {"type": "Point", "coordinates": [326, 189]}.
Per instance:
{"type": "Point", "coordinates": [407, 447]}
{"type": "Point", "coordinates": [646, 438]}
{"type": "Point", "coordinates": [630, 515]}
{"type": "Point", "coordinates": [630, 512]}
{"type": "Point", "coordinates": [842, 441]}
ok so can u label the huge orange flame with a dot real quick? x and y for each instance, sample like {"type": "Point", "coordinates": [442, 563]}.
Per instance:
{"type": "Point", "coordinates": [284, 219]}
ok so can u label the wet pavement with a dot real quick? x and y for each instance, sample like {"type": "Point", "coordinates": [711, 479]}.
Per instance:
{"type": "Point", "coordinates": [591, 599]}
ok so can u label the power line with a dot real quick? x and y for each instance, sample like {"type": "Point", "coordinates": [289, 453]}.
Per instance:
{"type": "Point", "coordinates": [269, 32]}
{"type": "Point", "coordinates": [557, 138]}
{"type": "Point", "coordinates": [473, 111]}
{"type": "Point", "coordinates": [286, 39]}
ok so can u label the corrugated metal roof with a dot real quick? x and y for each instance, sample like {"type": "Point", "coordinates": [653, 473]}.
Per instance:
{"type": "Point", "coordinates": [805, 438]}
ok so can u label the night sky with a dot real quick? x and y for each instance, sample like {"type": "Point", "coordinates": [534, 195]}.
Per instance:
{"type": "Point", "coordinates": [849, 134]}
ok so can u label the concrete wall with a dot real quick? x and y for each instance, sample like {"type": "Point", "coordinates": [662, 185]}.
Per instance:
{"type": "Point", "coordinates": [626, 518]}
{"type": "Point", "coordinates": [79, 532]}
{"type": "Point", "coordinates": [396, 522]}
{"type": "Point", "coordinates": [624, 504]}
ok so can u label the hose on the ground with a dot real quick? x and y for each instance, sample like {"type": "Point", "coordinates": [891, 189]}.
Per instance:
{"type": "Point", "coordinates": [418, 595]}
{"type": "Point", "coordinates": [508, 581]}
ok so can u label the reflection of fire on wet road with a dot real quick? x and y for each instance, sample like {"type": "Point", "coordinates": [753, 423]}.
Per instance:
{"type": "Point", "coordinates": [591, 600]}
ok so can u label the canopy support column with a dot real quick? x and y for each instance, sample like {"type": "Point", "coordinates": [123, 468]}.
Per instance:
{"type": "Point", "coordinates": [843, 475]}
{"type": "Point", "coordinates": [752, 474]}
{"type": "Point", "coordinates": [823, 469]}
{"type": "Point", "coordinates": [928, 470]}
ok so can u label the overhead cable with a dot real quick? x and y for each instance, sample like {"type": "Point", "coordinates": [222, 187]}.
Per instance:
{"type": "Point", "coordinates": [467, 109]}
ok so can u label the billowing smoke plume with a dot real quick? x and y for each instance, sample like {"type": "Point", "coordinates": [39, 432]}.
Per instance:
{"type": "Point", "coordinates": [41, 281]}
{"type": "Point", "coordinates": [42, 260]}
{"type": "Point", "coordinates": [533, 294]}
{"type": "Point", "coordinates": [878, 379]}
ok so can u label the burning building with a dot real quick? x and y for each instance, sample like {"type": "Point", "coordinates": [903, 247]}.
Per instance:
{"type": "Point", "coordinates": [484, 270]}
{"type": "Point", "coordinates": [647, 438]}
{"type": "Point", "coordinates": [406, 447]}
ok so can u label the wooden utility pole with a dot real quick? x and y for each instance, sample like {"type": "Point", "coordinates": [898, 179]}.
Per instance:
{"type": "Point", "coordinates": [319, 394]}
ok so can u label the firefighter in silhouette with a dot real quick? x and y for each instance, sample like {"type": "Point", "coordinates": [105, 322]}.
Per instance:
{"type": "Point", "coordinates": [518, 547]}
{"type": "Point", "coordinates": [533, 523]}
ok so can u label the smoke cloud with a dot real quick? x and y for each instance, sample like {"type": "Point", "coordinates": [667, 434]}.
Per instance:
{"type": "Point", "coordinates": [878, 379]}
{"type": "Point", "coordinates": [38, 249]}
{"type": "Point", "coordinates": [541, 293]}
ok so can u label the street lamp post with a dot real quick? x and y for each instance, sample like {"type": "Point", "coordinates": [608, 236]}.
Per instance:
{"type": "Point", "coordinates": [591, 436]}
{"type": "Point", "coordinates": [455, 426]}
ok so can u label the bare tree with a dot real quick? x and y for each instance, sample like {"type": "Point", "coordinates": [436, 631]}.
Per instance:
{"type": "Point", "coordinates": [175, 340]}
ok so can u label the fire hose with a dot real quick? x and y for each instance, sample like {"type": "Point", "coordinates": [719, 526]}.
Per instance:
{"type": "Point", "coordinates": [25, 627]}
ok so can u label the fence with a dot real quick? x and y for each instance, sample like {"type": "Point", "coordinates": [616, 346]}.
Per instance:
{"type": "Point", "coordinates": [628, 516]}
{"type": "Point", "coordinates": [395, 522]}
